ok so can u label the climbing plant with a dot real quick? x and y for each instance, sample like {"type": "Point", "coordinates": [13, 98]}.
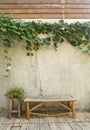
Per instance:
{"type": "Point", "coordinates": [77, 34]}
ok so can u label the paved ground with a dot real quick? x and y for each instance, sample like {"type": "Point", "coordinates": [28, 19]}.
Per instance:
{"type": "Point", "coordinates": [82, 122]}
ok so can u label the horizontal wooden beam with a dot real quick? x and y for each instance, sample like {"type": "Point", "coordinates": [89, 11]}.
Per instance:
{"type": "Point", "coordinates": [51, 16]}
{"type": "Point", "coordinates": [45, 11]}
{"type": "Point", "coordinates": [77, 16]}
{"type": "Point", "coordinates": [44, 1]}
{"type": "Point", "coordinates": [44, 6]}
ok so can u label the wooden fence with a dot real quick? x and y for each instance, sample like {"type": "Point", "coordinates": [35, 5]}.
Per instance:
{"type": "Point", "coordinates": [51, 9]}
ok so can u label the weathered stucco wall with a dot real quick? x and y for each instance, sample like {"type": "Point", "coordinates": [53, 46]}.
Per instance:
{"type": "Point", "coordinates": [65, 71]}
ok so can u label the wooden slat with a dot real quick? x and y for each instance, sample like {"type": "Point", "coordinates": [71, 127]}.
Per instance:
{"type": "Point", "coordinates": [85, 116]}
{"type": "Point", "coordinates": [44, 6]}
{"type": "Point", "coordinates": [51, 16]}
{"type": "Point", "coordinates": [75, 1]}
{"type": "Point", "coordinates": [60, 119]}
{"type": "Point", "coordinates": [65, 126]}
{"type": "Point", "coordinates": [24, 127]}
{"type": "Point", "coordinates": [28, 1]}
{"type": "Point", "coordinates": [34, 121]}
{"type": "Point", "coordinates": [2, 119]}
{"type": "Point", "coordinates": [45, 11]}
{"type": "Point", "coordinates": [77, 16]}
{"type": "Point", "coordinates": [76, 126]}
{"type": "Point", "coordinates": [37, 16]}
{"type": "Point", "coordinates": [33, 127]}
{"type": "Point", "coordinates": [8, 126]}
{"type": "Point", "coordinates": [15, 127]}
{"type": "Point", "coordinates": [44, 125]}
{"type": "Point", "coordinates": [51, 120]}
{"type": "Point", "coordinates": [2, 126]}
{"type": "Point", "coordinates": [44, 1]}
{"type": "Point", "coordinates": [86, 125]}
{"type": "Point", "coordinates": [34, 124]}
{"type": "Point", "coordinates": [54, 124]}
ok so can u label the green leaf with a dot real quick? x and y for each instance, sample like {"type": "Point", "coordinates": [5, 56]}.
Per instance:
{"type": "Point", "coordinates": [61, 40]}
{"type": "Point", "coordinates": [3, 29]}
{"type": "Point", "coordinates": [5, 51]}
{"type": "Point", "coordinates": [27, 47]}
{"type": "Point", "coordinates": [6, 57]}
{"type": "Point", "coordinates": [79, 42]}
{"type": "Point", "coordinates": [28, 54]}
{"type": "Point", "coordinates": [88, 47]}
{"type": "Point", "coordinates": [6, 76]}
{"type": "Point", "coordinates": [8, 64]}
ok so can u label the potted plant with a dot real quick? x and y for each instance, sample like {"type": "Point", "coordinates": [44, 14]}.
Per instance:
{"type": "Point", "coordinates": [15, 92]}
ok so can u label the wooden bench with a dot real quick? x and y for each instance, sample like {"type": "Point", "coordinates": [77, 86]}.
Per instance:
{"type": "Point", "coordinates": [61, 100]}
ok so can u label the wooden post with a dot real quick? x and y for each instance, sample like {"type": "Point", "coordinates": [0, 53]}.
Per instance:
{"type": "Point", "coordinates": [10, 109]}
{"type": "Point", "coordinates": [73, 109]}
{"type": "Point", "coordinates": [19, 107]}
{"type": "Point", "coordinates": [28, 109]}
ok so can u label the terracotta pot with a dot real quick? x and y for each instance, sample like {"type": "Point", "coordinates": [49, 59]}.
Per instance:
{"type": "Point", "coordinates": [15, 95]}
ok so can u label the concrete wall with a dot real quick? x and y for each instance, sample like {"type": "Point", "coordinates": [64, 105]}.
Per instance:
{"type": "Point", "coordinates": [65, 71]}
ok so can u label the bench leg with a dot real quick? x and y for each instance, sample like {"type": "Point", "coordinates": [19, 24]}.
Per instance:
{"type": "Point", "coordinates": [69, 104]}
{"type": "Point", "coordinates": [73, 109]}
{"type": "Point", "coordinates": [28, 110]}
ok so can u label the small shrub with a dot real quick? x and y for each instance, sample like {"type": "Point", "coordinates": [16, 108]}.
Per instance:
{"type": "Point", "coordinates": [18, 90]}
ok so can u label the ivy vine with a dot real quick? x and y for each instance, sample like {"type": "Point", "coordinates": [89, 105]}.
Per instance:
{"type": "Point", "coordinates": [77, 34]}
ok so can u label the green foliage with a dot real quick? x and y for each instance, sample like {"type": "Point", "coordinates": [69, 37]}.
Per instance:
{"type": "Point", "coordinates": [20, 92]}
{"type": "Point", "coordinates": [77, 34]}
